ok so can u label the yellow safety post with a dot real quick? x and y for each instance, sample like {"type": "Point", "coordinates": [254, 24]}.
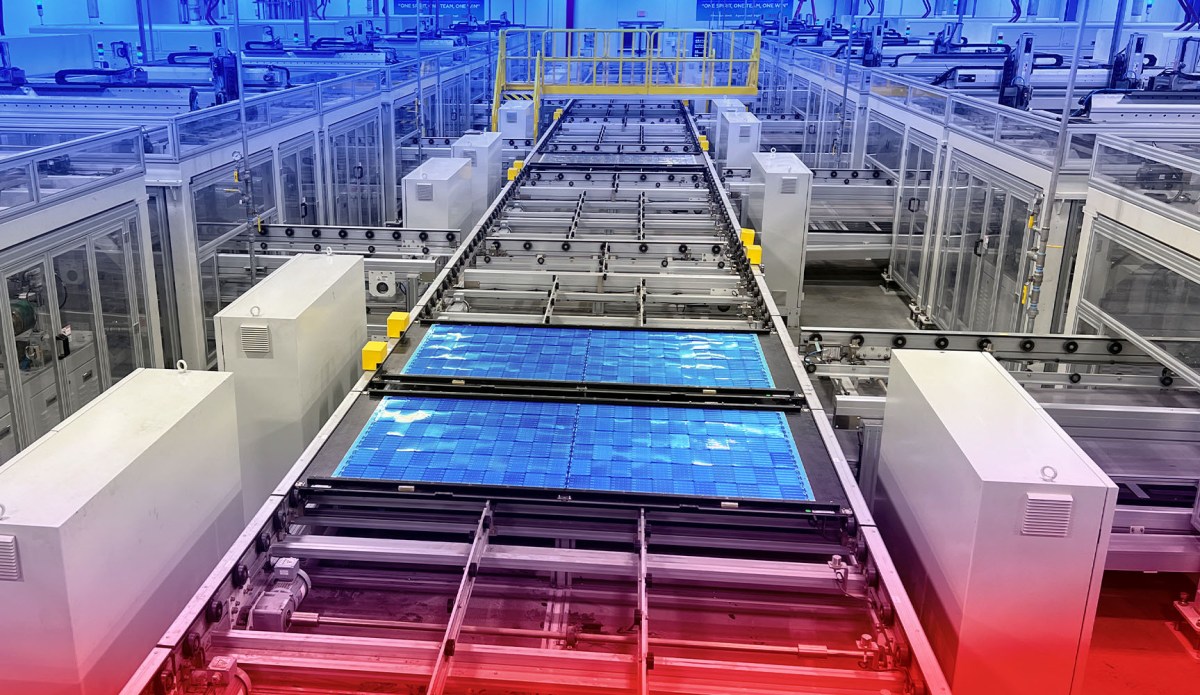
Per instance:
{"type": "Point", "coordinates": [373, 354]}
{"type": "Point", "coordinates": [397, 321]}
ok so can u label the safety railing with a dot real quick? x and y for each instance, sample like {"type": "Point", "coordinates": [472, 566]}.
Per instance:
{"type": "Point", "coordinates": [634, 62]}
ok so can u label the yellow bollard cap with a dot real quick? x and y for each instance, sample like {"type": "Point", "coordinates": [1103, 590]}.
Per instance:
{"type": "Point", "coordinates": [747, 236]}
{"type": "Point", "coordinates": [754, 253]}
{"type": "Point", "coordinates": [397, 321]}
{"type": "Point", "coordinates": [373, 354]}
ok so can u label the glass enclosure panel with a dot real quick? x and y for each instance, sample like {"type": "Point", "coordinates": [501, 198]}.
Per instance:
{"type": "Point", "coordinates": [1145, 177]}
{"type": "Point", "coordinates": [120, 316]}
{"type": "Point", "coordinates": [8, 426]}
{"type": "Point", "coordinates": [211, 127]}
{"type": "Point", "coordinates": [350, 89]}
{"type": "Point", "coordinates": [292, 104]}
{"type": "Point", "coordinates": [219, 204]}
{"type": "Point", "coordinates": [970, 245]}
{"type": "Point", "coordinates": [299, 202]}
{"type": "Point", "coordinates": [1035, 140]}
{"type": "Point", "coordinates": [1156, 301]}
{"type": "Point", "coordinates": [951, 245]}
{"type": "Point", "coordinates": [141, 293]}
{"type": "Point", "coordinates": [932, 103]}
{"type": "Point", "coordinates": [357, 174]}
{"type": "Point", "coordinates": [1079, 151]}
{"type": "Point", "coordinates": [884, 145]}
{"type": "Point", "coordinates": [164, 276]}
{"type": "Point", "coordinates": [1011, 256]}
{"type": "Point", "coordinates": [77, 318]}
{"type": "Point", "coordinates": [987, 252]}
{"type": "Point", "coordinates": [16, 187]}
{"type": "Point", "coordinates": [884, 88]}
{"type": "Point", "coordinates": [37, 347]}
{"type": "Point", "coordinates": [210, 301]}
{"type": "Point", "coordinates": [974, 118]}
{"type": "Point", "coordinates": [88, 163]}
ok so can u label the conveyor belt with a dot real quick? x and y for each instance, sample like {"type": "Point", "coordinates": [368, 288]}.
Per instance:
{"type": "Point", "coordinates": [668, 358]}
{"type": "Point", "coordinates": [740, 454]}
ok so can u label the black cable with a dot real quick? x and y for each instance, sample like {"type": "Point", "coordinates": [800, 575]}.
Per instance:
{"type": "Point", "coordinates": [928, 9]}
{"type": "Point", "coordinates": [1016, 11]}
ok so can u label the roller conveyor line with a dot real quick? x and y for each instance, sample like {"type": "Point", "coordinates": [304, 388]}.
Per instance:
{"type": "Point", "coordinates": [593, 464]}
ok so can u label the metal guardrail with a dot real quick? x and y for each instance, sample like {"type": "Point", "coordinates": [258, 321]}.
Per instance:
{"type": "Point", "coordinates": [634, 62]}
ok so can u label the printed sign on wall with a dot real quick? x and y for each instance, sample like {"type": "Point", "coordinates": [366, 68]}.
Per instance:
{"type": "Point", "coordinates": [742, 9]}
{"type": "Point", "coordinates": [457, 9]}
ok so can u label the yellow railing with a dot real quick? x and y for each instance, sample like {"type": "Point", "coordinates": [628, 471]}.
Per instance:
{"type": "Point", "coordinates": [635, 62]}
{"type": "Point", "coordinates": [498, 93]}
{"type": "Point", "coordinates": [537, 98]}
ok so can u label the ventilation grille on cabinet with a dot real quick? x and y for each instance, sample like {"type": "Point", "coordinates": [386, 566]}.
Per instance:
{"type": "Point", "coordinates": [744, 132]}
{"type": "Point", "coordinates": [10, 562]}
{"type": "Point", "coordinates": [510, 117]}
{"type": "Point", "coordinates": [471, 156]}
{"type": "Point", "coordinates": [255, 339]}
{"type": "Point", "coordinates": [425, 191]}
{"type": "Point", "coordinates": [788, 185]}
{"type": "Point", "coordinates": [1047, 515]}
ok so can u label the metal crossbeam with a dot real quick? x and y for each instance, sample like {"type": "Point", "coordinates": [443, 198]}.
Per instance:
{"type": "Point", "coordinates": [458, 611]}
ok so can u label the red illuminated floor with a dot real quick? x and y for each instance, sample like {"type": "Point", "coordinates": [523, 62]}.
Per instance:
{"type": "Point", "coordinates": [1135, 649]}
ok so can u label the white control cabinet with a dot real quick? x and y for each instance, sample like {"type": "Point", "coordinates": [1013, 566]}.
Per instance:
{"type": "Point", "coordinates": [739, 134]}
{"type": "Point", "coordinates": [293, 341]}
{"type": "Point", "coordinates": [998, 522]}
{"type": "Point", "coordinates": [435, 192]}
{"type": "Point", "coordinates": [110, 523]}
{"type": "Point", "coordinates": [720, 106]}
{"type": "Point", "coordinates": [781, 187]}
{"type": "Point", "coordinates": [485, 152]}
{"type": "Point", "coordinates": [516, 120]}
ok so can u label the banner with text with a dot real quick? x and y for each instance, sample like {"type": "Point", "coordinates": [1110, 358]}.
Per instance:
{"type": "Point", "coordinates": [456, 9]}
{"type": "Point", "coordinates": [742, 9]}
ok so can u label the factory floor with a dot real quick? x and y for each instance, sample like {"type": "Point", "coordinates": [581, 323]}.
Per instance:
{"type": "Point", "coordinates": [850, 296]}
{"type": "Point", "coordinates": [1135, 648]}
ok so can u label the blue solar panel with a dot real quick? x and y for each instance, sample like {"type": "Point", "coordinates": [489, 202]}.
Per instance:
{"type": "Point", "coordinates": [666, 358]}
{"type": "Point", "coordinates": [614, 448]}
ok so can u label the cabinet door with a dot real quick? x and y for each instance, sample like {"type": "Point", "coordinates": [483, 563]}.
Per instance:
{"type": "Point", "coordinates": [951, 247]}
{"type": "Point", "coordinates": [36, 347]}
{"type": "Point", "coordinates": [117, 308]}
{"type": "Point", "coordinates": [965, 285]}
{"type": "Point", "coordinates": [986, 254]}
{"type": "Point", "coordinates": [298, 178]}
{"type": "Point", "coordinates": [8, 434]}
{"type": "Point", "coordinates": [74, 298]}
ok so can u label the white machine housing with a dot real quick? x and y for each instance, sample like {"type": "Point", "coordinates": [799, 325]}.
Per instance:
{"type": "Point", "coordinates": [999, 524]}
{"type": "Point", "coordinates": [516, 120]}
{"type": "Point", "coordinates": [738, 137]}
{"type": "Point", "coordinates": [435, 193]}
{"type": "Point", "coordinates": [718, 107]}
{"type": "Point", "coordinates": [485, 152]}
{"type": "Point", "coordinates": [293, 342]}
{"type": "Point", "coordinates": [779, 195]}
{"type": "Point", "coordinates": [110, 523]}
